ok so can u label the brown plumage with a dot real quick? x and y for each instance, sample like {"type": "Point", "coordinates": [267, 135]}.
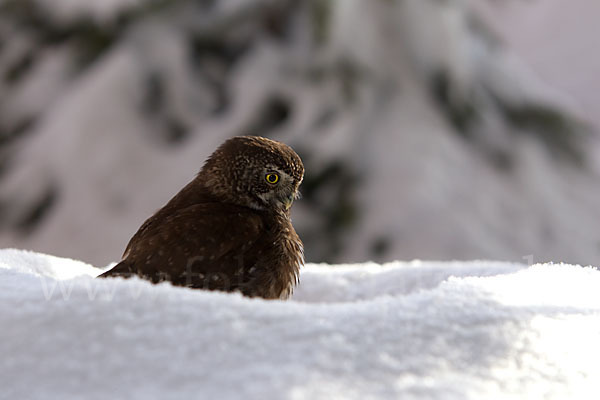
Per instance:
{"type": "Point", "coordinates": [229, 229]}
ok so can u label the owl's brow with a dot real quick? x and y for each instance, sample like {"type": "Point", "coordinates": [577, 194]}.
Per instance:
{"type": "Point", "coordinates": [271, 167]}
{"type": "Point", "coordinates": [288, 170]}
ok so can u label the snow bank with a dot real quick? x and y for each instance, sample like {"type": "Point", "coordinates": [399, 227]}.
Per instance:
{"type": "Point", "coordinates": [417, 330]}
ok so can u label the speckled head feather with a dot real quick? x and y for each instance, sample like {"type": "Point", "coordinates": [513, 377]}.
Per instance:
{"type": "Point", "coordinates": [236, 171]}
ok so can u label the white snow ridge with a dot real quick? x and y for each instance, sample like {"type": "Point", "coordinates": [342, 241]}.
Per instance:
{"type": "Point", "coordinates": [419, 330]}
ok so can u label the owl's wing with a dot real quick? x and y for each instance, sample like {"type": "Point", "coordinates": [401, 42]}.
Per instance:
{"type": "Point", "coordinates": [205, 246]}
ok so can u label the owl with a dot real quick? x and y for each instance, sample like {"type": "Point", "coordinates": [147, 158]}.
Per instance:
{"type": "Point", "coordinates": [229, 229]}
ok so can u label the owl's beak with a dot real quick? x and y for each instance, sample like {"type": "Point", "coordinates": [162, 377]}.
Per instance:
{"type": "Point", "coordinates": [287, 202]}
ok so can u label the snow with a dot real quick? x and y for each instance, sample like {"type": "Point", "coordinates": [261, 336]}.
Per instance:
{"type": "Point", "coordinates": [420, 188]}
{"type": "Point", "coordinates": [99, 11]}
{"type": "Point", "coordinates": [411, 330]}
{"type": "Point", "coordinates": [557, 39]}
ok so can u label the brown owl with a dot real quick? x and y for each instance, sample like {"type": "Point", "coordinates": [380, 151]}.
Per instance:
{"type": "Point", "coordinates": [229, 229]}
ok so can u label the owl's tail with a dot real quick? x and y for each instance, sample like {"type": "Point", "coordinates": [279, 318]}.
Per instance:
{"type": "Point", "coordinates": [123, 269]}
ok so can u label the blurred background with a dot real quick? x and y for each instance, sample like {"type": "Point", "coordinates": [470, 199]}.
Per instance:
{"type": "Point", "coordinates": [455, 129]}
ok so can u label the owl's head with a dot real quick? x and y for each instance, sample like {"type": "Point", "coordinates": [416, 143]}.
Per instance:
{"type": "Point", "coordinates": [255, 172]}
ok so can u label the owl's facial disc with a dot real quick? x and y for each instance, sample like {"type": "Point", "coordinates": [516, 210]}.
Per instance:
{"type": "Point", "coordinates": [279, 190]}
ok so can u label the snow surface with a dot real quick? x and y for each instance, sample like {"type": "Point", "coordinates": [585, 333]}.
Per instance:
{"type": "Point", "coordinates": [418, 330]}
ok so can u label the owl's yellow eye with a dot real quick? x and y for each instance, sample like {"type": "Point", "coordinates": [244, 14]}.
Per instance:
{"type": "Point", "coordinates": [272, 178]}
